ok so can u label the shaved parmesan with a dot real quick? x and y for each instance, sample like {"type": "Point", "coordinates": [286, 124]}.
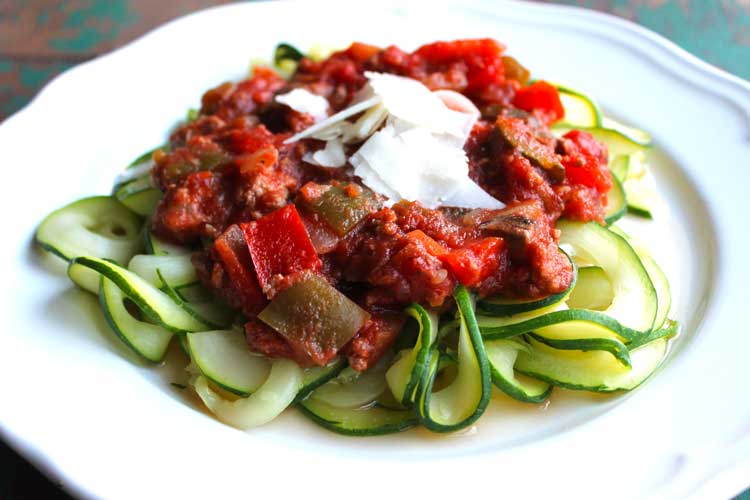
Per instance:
{"type": "Point", "coordinates": [335, 119]}
{"type": "Point", "coordinates": [332, 155]}
{"type": "Point", "coordinates": [412, 102]}
{"type": "Point", "coordinates": [418, 155]}
{"type": "Point", "coordinates": [366, 125]}
{"type": "Point", "coordinates": [470, 195]}
{"type": "Point", "coordinates": [304, 101]}
{"type": "Point", "coordinates": [462, 105]}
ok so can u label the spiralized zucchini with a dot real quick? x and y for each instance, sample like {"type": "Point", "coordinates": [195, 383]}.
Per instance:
{"type": "Point", "coordinates": [607, 332]}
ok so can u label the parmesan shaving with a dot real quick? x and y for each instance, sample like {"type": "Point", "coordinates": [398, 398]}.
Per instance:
{"type": "Point", "coordinates": [335, 119]}
{"type": "Point", "coordinates": [332, 155]}
{"type": "Point", "coordinates": [304, 101]}
{"type": "Point", "coordinates": [417, 155]}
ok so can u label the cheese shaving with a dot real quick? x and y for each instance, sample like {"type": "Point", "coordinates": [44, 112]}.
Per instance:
{"type": "Point", "coordinates": [417, 155]}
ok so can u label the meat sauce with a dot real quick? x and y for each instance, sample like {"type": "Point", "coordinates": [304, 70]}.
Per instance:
{"type": "Point", "coordinates": [230, 167]}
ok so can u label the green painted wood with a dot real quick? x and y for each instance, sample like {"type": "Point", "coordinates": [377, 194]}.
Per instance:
{"type": "Point", "coordinates": [717, 31]}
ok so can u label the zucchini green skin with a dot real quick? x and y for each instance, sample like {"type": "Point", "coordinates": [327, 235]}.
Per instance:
{"type": "Point", "coordinates": [636, 135]}
{"type": "Point", "coordinates": [640, 210]}
{"type": "Point", "coordinates": [617, 203]}
{"type": "Point", "coordinates": [669, 329]}
{"type": "Point", "coordinates": [225, 359]}
{"type": "Point", "coordinates": [220, 318]}
{"type": "Point", "coordinates": [472, 361]}
{"type": "Point", "coordinates": [263, 405]}
{"type": "Point", "coordinates": [594, 118]}
{"type": "Point", "coordinates": [138, 195]}
{"type": "Point", "coordinates": [371, 421]}
{"type": "Point", "coordinates": [505, 307]}
{"type": "Point", "coordinates": [142, 202]}
{"type": "Point", "coordinates": [66, 231]}
{"type": "Point", "coordinates": [154, 246]}
{"type": "Point", "coordinates": [594, 291]}
{"type": "Point", "coordinates": [582, 371]}
{"type": "Point", "coordinates": [145, 339]}
{"type": "Point", "coordinates": [353, 389]}
{"type": "Point", "coordinates": [404, 375]}
{"type": "Point", "coordinates": [502, 355]}
{"type": "Point", "coordinates": [319, 375]}
{"type": "Point", "coordinates": [573, 373]}
{"type": "Point", "coordinates": [634, 304]}
{"type": "Point", "coordinates": [663, 292]}
{"type": "Point", "coordinates": [285, 51]}
{"type": "Point", "coordinates": [146, 156]}
{"type": "Point", "coordinates": [614, 347]}
{"type": "Point", "coordinates": [492, 332]}
{"type": "Point", "coordinates": [658, 278]}
{"type": "Point", "coordinates": [85, 278]}
{"type": "Point", "coordinates": [154, 303]}
{"type": "Point", "coordinates": [501, 307]}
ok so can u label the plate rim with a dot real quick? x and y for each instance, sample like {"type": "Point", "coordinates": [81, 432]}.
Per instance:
{"type": "Point", "coordinates": [734, 88]}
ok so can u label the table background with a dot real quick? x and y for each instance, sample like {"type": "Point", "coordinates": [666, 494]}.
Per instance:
{"type": "Point", "coordinates": [41, 38]}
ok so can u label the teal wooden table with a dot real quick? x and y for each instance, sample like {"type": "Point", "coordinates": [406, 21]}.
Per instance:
{"type": "Point", "coordinates": [41, 38]}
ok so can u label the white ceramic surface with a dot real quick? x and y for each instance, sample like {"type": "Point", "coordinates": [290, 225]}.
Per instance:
{"type": "Point", "coordinates": [78, 405]}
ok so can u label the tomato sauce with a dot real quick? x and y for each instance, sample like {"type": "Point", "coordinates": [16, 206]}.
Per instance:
{"type": "Point", "coordinates": [263, 215]}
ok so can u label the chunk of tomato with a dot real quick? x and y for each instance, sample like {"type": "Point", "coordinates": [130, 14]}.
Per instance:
{"type": "Point", "coordinates": [481, 57]}
{"type": "Point", "coordinates": [586, 161]}
{"type": "Point", "coordinates": [475, 261]}
{"type": "Point", "coordinates": [543, 97]}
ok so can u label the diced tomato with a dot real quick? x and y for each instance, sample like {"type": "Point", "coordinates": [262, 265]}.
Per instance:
{"type": "Point", "coordinates": [433, 247]}
{"type": "Point", "coordinates": [540, 96]}
{"type": "Point", "coordinates": [279, 246]}
{"type": "Point", "coordinates": [475, 261]}
{"type": "Point", "coordinates": [361, 52]}
{"type": "Point", "coordinates": [232, 251]}
{"type": "Point", "coordinates": [198, 206]}
{"type": "Point", "coordinates": [231, 101]}
{"type": "Point", "coordinates": [586, 161]}
{"type": "Point", "coordinates": [481, 57]}
{"type": "Point", "coordinates": [240, 141]}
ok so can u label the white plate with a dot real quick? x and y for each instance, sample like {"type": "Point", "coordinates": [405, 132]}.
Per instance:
{"type": "Point", "coordinates": [107, 427]}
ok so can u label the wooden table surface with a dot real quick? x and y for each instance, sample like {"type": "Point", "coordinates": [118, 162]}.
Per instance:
{"type": "Point", "coordinates": [41, 38]}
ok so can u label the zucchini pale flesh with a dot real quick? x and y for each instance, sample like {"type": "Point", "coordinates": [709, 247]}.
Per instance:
{"type": "Point", "coordinates": [502, 356]}
{"type": "Point", "coordinates": [149, 340]}
{"type": "Point", "coordinates": [154, 303]}
{"type": "Point", "coordinates": [265, 404]}
{"type": "Point", "coordinates": [404, 375]}
{"type": "Point", "coordinates": [464, 400]}
{"type": "Point", "coordinates": [371, 421]}
{"type": "Point", "coordinates": [634, 303]}
{"type": "Point", "coordinates": [224, 357]}
{"type": "Point", "coordinates": [98, 226]}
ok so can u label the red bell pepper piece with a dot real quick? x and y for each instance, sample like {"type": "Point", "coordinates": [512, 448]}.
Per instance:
{"type": "Point", "coordinates": [231, 250]}
{"type": "Point", "coordinates": [540, 96]}
{"type": "Point", "coordinates": [279, 246]}
{"type": "Point", "coordinates": [475, 261]}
